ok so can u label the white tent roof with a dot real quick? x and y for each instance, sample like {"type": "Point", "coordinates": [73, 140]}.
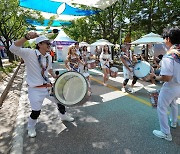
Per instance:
{"type": "Point", "coordinates": [149, 38]}
{"type": "Point", "coordinates": [63, 37]}
{"type": "Point", "coordinates": [83, 44]}
{"type": "Point", "coordinates": [101, 42]}
{"type": "Point", "coordinates": [102, 4]}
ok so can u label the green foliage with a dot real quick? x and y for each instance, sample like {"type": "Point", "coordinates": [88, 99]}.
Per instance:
{"type": "Point", "coordinates": [8, 69]}
{"type": "Point", "coordinates": [137, 17]}
{"type": "Point", "coordinates": [13, 24]}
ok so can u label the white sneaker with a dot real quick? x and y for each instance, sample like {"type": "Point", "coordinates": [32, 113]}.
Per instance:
{"type": "Point", "coordinates": [31, 132]}
{"type": "Point", "coordinates": [162, 135]}
{"type": "Point", "coordinates": [172, 124]}
{"type": "Point", "coordinates": [105, 84]}
{"type": "Point", "coordinates": [123, 90]}
{"type": "Point", "coordinates": [131, 90]}
{"type": "Point", "coordinates": [65, 117]}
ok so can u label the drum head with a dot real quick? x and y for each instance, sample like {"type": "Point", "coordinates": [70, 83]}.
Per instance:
{"type": "Point", "coordinates": [142, 69]}
{"type": "Point", "coordinates": [70, 88]}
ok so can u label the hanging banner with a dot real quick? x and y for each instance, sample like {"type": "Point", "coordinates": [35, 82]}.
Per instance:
{"type": "Point", "coordinates": [59, 50]}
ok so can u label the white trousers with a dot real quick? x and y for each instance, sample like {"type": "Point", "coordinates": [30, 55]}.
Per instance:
{"type": "Point", "coordinates": [127, 74]}
{"type": "Point", "coordinates": [36, 97]}
{"type": "Point", "coordinates": [167, 97]}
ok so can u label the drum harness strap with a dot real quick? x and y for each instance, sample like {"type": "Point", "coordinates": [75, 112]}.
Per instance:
{"type": "Point", "coordinates": [174, 53]}
{"type": "Point", "coordinates": [73, 62]}
{"type": "Point", "coordinates": [130, 62]}
{"type": "Point", "coordinates": [47, 82]}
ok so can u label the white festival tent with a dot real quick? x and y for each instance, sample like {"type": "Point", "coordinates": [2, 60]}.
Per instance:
{"type": "Point", "coordinates": [62, 43]}
{"type": "Point", "coordinates": [102, 4]}
{"type": "Point", "coordinates": [155, 50]}
{"type": "Point", "coordinates": [149, 38]}
{"type": "Point", "coordinates": [81, 44]}
{"type": "Point", "coordinates": [100, 43]}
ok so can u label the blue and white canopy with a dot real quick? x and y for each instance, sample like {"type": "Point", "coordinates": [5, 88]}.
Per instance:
{"type": "Point", "coordinates": [101, 4]}
{"type": "Point", "coordinates": [56, 23]}
{"type": "Point", "coordinates": [55, 7]}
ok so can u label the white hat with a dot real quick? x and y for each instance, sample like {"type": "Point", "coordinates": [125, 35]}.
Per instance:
{"type": "Point", "coordinates": [41, 38]}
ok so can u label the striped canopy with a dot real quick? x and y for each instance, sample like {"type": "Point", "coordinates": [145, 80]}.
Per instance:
{"type": "Point", "coordinates": [55, 7]}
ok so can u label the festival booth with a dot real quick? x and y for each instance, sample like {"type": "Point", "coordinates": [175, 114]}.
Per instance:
{"type": "Point", "coordinates": [61, 43]}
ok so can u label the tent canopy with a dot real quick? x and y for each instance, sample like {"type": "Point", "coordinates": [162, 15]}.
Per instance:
{"type": "Point", "coordinates": [149, 38]}
{"type": "Point", "coordinates": [55, 23]}
{"type": "Point", "coordinates": [63, 39]}
{"type": "Point", "coordinates": [81, 44]}
{"type": "Point", "coordinates": [102, 4]}
{"type": "Point", "coordinates": [55, 7]}
{"type": "Point", "coordinates": [101, 42]}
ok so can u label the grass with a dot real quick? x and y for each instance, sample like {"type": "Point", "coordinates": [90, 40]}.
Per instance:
{"type": "Point", "coordinates": [7, 69]}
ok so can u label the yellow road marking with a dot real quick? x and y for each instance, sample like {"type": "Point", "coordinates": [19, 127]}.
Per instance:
{"type": "Point", "coordinates": [129, 95]}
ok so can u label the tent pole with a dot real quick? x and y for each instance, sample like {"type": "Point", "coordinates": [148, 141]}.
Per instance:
{"type": "Point", "coordinates": [120, 33]}
{"type": "Point", "coordinates": [146, 53]}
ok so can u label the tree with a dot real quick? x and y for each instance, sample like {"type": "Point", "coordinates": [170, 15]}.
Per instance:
{"type": "Point", "coordinates": [13, 22]}
{"type": "Point", "coordinates": [154, 15]}
{"type": "Point", "coordinates": [1, 65]}
{"type": "Point", "coordinates": [134, 17]}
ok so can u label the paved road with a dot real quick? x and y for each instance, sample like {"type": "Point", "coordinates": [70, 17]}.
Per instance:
{"type": "Point", "coordinates": [111, 122]}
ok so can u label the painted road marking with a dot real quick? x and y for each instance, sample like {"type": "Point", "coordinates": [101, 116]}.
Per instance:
{"type": "Point", "coordinates": [129, 95]}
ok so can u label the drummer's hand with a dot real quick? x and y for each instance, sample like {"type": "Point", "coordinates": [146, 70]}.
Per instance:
{"type": "Point", "coordinates": [56, 76]}
{"type": "Point", "coordinates": [32, 35]}
{"type": "Point", "coordinates": [152, 75]}
{"type": "Point", "coordinates": [131, 69]}
{"type": "Point", "coordinates": [69, 69]}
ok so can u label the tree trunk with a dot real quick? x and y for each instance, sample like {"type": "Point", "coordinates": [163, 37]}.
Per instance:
{"type": "Point", "coordinates": [11, 56]}
{"type": "Point", "coordinates": [1, 64]}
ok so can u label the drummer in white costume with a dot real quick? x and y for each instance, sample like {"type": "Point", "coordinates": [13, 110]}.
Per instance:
{"type": "Point", "coordinates": [170, 91]}
{"type": "Point", "coordinates": [38, 63]}
{"type": "Point", "coordinates": [105, 59]}
{"type": "Point", "coordinates": [127, 69]}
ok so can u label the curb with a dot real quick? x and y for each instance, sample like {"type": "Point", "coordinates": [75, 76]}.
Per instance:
{"type": "Point", "coordinates": [17, 140]}
{"type": "Point", "coordinates": [5, 92]}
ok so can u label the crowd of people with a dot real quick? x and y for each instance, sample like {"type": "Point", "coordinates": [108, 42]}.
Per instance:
{"type": "Point", "coordinates": [39, 63]}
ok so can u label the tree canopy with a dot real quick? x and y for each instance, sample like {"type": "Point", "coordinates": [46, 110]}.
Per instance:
{"type": "Point", "coordinates": [134, 17]}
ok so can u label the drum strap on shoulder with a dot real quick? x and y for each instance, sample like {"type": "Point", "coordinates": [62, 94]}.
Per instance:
{"type": "Point", "coordinates": [42, 67]}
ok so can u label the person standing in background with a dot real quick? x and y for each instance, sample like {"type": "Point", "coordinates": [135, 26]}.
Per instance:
{"type": "Point", "coordinates": [52, 55]}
